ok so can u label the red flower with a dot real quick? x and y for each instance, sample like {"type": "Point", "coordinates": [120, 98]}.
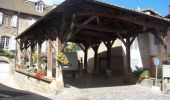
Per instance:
{"type": "Point", "coordinates": [39, 75]}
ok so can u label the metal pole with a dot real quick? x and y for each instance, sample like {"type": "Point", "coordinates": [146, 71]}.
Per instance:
{"type": "Point", "coordinates": [156, 76]}
{"type": "Point", "coordinates": [16, 41]}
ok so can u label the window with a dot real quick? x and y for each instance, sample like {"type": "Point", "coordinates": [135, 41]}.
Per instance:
{"type": "Point", "coordinates": [5, 42]}
{"type": "Point", "coordinates": [7, 20]}
{"type": "Point", "coordinates": [40, 7]}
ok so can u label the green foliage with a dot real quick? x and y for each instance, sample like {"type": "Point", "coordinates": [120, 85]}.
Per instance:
{"type": "Point", "coordinates": [166, 58]}
{"type": "Point", "coordinates": [6, 53]}
{"type": "Point", "coordinates": [71, 47]}
{"type": "Point", "coordinates": [62, 58]}
{"type": "Point", "coordinates": [34, 57]}
{"type": "Point", "coordinates": [141, 73]}
{"type": "Point", "coordinates": [40, 71]}
{"type": "Point", "coordinates": [43, 59]}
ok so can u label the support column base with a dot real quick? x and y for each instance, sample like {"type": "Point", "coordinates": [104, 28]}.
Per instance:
{"type": "Point", "coordinates": [49, 73]}
{"type": "Point", "coordinates": [57, 85]}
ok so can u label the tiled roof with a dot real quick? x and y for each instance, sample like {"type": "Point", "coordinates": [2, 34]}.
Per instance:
{"type": "Point", "coordinates": [23, 7]}
{"type": "Point", "coordinates": [128, 9]}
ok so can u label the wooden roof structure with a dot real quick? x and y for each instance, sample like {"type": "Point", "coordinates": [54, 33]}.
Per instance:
{"type": "Point", "coordinates": [92, 21]}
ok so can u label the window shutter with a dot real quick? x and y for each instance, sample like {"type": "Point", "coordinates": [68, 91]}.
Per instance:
{"type": "Point", "coordinates": [14, 20]}
{"type": "Point", "coordinates": [1, 17]}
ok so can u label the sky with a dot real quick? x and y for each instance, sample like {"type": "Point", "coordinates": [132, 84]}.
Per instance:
{"type": "Point", "coordinates": [160, 6]}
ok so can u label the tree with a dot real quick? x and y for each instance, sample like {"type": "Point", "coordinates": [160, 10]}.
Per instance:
{"type": "Point", "coordinates": [71, 47]}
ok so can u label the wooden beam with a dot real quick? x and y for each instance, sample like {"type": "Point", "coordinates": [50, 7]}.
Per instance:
{"type": "Point", "coordinates": [30, 56]}
{"type": "Point", "coordinates": [100, 35]}
{"type": "Point", "coordinates": [121, 38]}
{"type": "Point", "coordinates": [95, 49]}
{"type": "Point", "coordinates": [101, 28]}
{"type": "Point", "coordinates": [39, 53]}
{"type": "Point", "coordinates": [85, 56]}
{"type": "Point", "coordinates": [109, 44]}
{"type": "Point", "coordinates": [82, 48]}
{"type": "Point", "coordinates": [84, 23]}
{"type": "Point", "coordinates": [59, 74]}
{"type": "Point", "coordinates": [49, 58]}
{"type": "Point", "coordinates": [130, 19]}
{"type": "Point", "coordinates": [131, 41]}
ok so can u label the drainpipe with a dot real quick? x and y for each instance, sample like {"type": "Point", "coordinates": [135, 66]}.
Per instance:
{"type": "Point", "coordinates": [16, 40]}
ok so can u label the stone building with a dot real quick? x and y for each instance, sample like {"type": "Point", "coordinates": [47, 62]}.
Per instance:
{"type": "Point", "coordinates": [25, 11]}
{"type": "Point", "coordinates": [15, 17]}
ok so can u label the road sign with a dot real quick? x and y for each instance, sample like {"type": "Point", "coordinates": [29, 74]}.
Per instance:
{"type": "Point", "coordinates": [156, 61]}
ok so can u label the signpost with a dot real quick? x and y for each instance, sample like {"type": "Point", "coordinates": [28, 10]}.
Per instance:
{"type": "Point", "coordinates": [156, 62]}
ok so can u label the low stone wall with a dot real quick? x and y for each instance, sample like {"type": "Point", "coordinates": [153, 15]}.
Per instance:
{"type": "Point", "coordinates": [31, 83]}
{"type": "Point", "coordinates": [147, 82]}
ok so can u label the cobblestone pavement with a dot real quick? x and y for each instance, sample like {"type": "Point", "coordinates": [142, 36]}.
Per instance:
{"type": "Point", "coordinates": [129, 92]}
{"type": "Point", "coordinates": [9, 91]}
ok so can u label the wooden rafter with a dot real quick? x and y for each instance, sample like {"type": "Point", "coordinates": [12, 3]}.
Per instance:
{"type": "Point", "coordinates": [101, 28]}
{"type": "Point", "coordinates": [84, 23]}
{"type": "Point", "coordinates": [128, 18]}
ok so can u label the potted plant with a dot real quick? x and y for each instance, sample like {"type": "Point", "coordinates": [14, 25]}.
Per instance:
{"type": "Point", "coordinates": [62, 58]}
{"type": "Point", "coordinates": [39, 73]}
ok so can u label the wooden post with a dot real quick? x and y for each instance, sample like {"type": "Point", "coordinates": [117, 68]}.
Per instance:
{"type": "Point", "coordinates": [59, 74]}
{"type": "Point", "coordinates": [85, 56]}
{"type": "Point", "coordinates": [95, 49]}
{"type": "Point", "coordinates": [38, 54]}
{"type": "Point", "coordinates": [30, 56]}
{"type": "Point", "coordinates": [127, 44]}
{"type": "Point", "coordinates": [49, 58]}
{"type": "Point", "coordinates": [128, 55]}
{"type": "Point", "coordinates": [109, 44]}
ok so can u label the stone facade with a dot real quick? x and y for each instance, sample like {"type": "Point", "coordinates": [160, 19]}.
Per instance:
{"type": "Point", "coordinates": [30, 83]}
{"type": "Point", "coordinates": [25, 20]}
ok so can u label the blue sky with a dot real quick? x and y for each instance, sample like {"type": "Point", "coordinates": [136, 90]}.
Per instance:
{"type": "Point", "coordinates": [160, 6]}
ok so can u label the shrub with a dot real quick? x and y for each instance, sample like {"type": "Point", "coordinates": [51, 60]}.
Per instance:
{"type": "Point", "coordinates": [6, 54]}
{"type": "Point", "coordinates": [141, 74]}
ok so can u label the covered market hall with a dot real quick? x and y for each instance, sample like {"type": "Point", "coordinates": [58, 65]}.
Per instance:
{"type": "Point", "coordinates": [88, 23]}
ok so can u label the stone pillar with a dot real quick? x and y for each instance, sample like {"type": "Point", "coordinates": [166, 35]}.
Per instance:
{"type": "Point", "coordinates": [49, 58]}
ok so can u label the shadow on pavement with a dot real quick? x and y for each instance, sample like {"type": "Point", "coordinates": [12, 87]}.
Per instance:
{"type": "Point", "coordinates": [93, 81]}
{"type": "Point", "coordinates": [11, 93]}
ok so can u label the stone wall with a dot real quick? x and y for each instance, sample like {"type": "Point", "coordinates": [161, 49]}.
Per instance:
{"type": "Point", "coordinates": [31, 83]}
{"type": "Point", "coordinates": [25, 20]}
